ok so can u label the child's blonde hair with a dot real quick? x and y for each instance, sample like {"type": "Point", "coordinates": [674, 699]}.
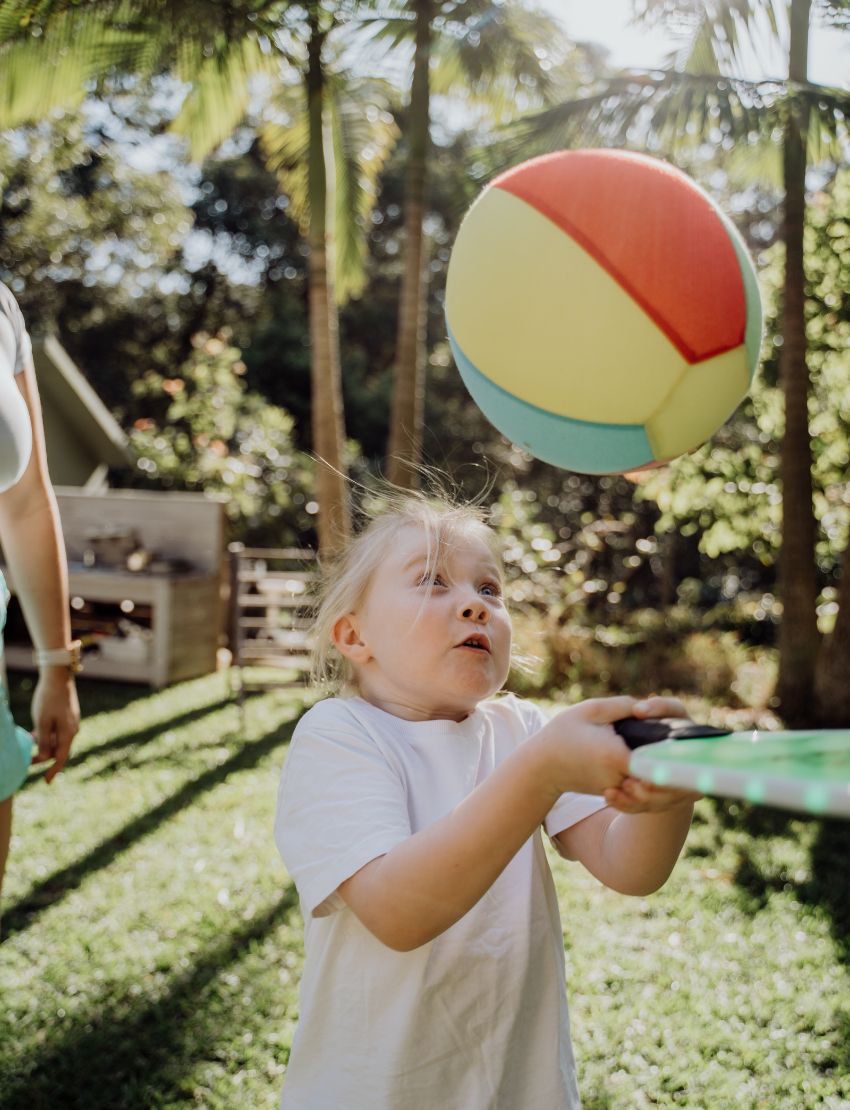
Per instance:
{"type": "Point", "coordinates": [346, 579]}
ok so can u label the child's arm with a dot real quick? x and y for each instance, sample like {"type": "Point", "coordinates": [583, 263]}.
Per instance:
{"type": "Point", "coordinates": [633, 851]}
{"type": "Point", "coordinates": [424, 885]}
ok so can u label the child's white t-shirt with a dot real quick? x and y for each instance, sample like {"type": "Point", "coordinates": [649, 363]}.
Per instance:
{"type": "Point", "coordinates": [477, 1018]}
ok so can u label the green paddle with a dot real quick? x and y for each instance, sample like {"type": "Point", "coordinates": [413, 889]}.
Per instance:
{"type": "Point", "coordinates": [803, 770]}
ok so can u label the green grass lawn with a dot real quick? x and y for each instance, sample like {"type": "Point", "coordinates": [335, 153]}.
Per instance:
{"type": "Point", "coordinates": [152, 941]}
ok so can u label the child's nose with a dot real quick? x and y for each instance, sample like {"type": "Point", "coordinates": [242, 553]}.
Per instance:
{"type": "Point", "coordinates": [474, 611]}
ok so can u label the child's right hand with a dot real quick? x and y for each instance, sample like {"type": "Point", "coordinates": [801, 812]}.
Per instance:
{"type": "Point", "coordinates": [581, 751]}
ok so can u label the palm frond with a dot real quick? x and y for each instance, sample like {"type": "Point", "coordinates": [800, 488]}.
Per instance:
{"type": "Point", "coordinates": [363, 132]}
{"type": "Point", "coordinates": [756, 162]}
{"type": "Point", "coordinates": [697, 53]}
{"type": "Point", "coordinates": [220, 90]}
{"type": "Point", "coordinates": [504, 58]}
{"type": "Point", "coordinates": [666, 106]}
{"type": "Point", "coordinates": [679, 13]}
{"type": "Point", "coordinates": [828, 114]}
{"type": "Point", "coordinates": [713, 33]}
{"type": "Point", "coordinates": [52, 51]}
{"type": "Point", "coordinates": [38, 76]}
{"type": "Point", "coordinates": [392, 30]}
{"type": "Point", "coordinates": [22, 100]}
{"type": "Point", "coordinates": [18, 18]}
{"type": "Point", "coordinates": [14, 18]}
{"type": "Point", "coordinates": [45, 18]}
{"type": "Point", "coordinates": [673, 110]}
{"type": "Point", "coordinates": [285, 142]}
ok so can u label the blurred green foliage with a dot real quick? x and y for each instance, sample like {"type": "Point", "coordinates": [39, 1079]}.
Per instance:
{"type": "Point", "coordinates": [203, 430]}
{"type": "Point", "coordinates": [75, 213]}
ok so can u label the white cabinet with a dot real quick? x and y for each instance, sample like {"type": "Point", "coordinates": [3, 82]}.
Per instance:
{"type": "Point", "coordinates": [178, 613]}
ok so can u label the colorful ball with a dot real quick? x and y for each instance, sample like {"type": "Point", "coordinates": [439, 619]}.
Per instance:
{"type": "Point", "coordinates": [602, 310]}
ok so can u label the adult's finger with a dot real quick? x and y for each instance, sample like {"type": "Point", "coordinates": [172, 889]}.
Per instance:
{"type": "Point", "coordinates": [63, 748]}
{"type": "Point", "coordinates": [44, 734]}
{"type": "Point", "coordinates": [37, 756]}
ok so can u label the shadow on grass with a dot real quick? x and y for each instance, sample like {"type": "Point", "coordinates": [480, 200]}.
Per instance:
{"type": "Point", "coordinates": [58, 885]}
{"type": "Point", "coordinates": [130, 740]}
{"type": "Point", "coordinates": [755, 884]}
{"type": "Point", "coordinates": [755, 820]}
{"type": "Point", "coordinates": [828, 889]}
{"type": "Point", "coordinates": [135, 1056]}
{"type": "Point", "coordinates": [829, 885]}
{"type": "Point", "coordinates": [825, 890]}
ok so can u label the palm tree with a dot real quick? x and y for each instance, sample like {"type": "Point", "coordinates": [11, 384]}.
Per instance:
{"type": "Point", "coordinates": [219, 50]}
{"type": "Point", "coordinates": [675, 105]}
{"type": "Point", "coordinates": [404, 445]}
{"type": "Point", "coordinates": [500, 56]}
{"type": "Point", "coordinates": [346, 126]}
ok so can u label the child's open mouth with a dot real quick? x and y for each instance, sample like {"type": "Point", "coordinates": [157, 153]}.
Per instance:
{"type": "Point", "coordinates": [476, 643]}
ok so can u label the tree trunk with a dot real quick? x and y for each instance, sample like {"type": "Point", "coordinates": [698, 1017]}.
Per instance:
{"type": "Point", "coordinates": [327, 409]}
{"type": "Point", "coordinates": [832, 683]}
{"type": "Point", "coordinates": [327, 424]}
{"type": "Point", "coordinates": [404, 449]}
{"type": "Point", "coordinates": [797, 579]}
{"type": "Point", "coordinates": [669, 569]}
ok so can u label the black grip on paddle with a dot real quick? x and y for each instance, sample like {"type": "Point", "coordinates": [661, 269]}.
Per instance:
{"type": "Point", "coordinates": [638, 731]}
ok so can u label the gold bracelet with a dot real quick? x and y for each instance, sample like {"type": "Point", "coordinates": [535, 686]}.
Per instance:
{"type": "Point", "coordinates": [70, 657]}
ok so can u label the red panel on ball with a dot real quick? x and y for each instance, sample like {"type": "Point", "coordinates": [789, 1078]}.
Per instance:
{"type": "Point", "coordinates": [654, 231]}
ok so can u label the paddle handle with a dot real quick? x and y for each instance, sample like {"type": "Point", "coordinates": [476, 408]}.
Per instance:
{"type": "Point", "coordinates": [638, 731]}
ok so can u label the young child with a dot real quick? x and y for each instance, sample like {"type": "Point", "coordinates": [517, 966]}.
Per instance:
{"type": "Point", "coordinates": [409, 817]}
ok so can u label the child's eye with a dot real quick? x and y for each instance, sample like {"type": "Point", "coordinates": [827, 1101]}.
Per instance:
{"type": "Point", "coordinates": [492, 589]}
{"type": "Point", "coordinates": [431, 580]}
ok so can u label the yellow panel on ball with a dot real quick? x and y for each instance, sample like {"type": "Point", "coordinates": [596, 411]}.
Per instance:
{"type": "Point", "coordinates": [553, 309]}
{"type": "Point", "coordinates": [705, 396]}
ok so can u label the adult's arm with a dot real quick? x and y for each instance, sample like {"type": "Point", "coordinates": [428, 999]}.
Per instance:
{"type": "Point", "coordinates": [35, 555]}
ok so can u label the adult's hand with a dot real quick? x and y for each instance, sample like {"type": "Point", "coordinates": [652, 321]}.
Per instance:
{"type": "Point", "coordinates": [56, 717]}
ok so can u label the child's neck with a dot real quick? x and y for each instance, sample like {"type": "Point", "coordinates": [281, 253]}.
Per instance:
{"type": "Point", "coordinates": [408, 710]}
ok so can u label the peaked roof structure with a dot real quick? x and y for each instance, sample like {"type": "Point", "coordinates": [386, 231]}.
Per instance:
{"type": "Point", "coordinates": [83, 438]}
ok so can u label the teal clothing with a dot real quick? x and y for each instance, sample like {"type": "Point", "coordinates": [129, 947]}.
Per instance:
{"type": "Point", "coordinates": [16, 744]}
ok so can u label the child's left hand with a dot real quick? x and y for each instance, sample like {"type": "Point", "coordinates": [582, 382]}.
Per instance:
{"type": "Point", "coordinates": [638, 796]}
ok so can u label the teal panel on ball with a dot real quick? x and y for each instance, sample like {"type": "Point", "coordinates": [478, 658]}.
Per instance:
{"type": "Point", "coordinates": [580, 445]}
{"type": "Point", "coordinates": [755, 312]}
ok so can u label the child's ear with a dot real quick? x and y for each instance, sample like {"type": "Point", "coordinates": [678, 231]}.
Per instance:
{"type": "Point", "coordinates": [346, 638]}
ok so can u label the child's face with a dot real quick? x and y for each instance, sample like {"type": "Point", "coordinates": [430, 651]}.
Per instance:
{"type": "Point", "coordinates": [411, 657]}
